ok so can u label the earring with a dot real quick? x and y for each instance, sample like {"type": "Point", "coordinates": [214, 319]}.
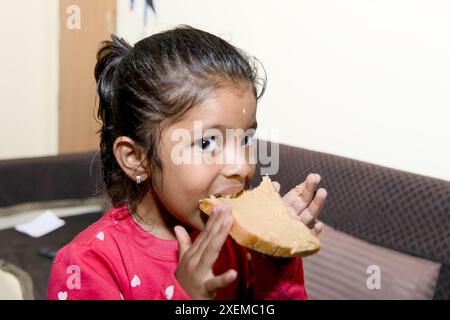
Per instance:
{"type": "Point", "coordinates": [138, 179]}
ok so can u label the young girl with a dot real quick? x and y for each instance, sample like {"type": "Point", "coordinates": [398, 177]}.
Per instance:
{"type": "Point", "coordinates": [155, 243]}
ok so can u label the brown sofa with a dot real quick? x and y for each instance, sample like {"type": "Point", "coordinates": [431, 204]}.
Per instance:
{"type": "Point", "coordinates": [387, 232]}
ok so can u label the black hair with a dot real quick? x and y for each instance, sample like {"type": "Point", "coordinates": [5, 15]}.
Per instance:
{"type": "Point", "coordinates": [143, 89]}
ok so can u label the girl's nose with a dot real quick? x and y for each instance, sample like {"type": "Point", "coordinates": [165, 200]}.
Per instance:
{"type": "Point", "coordinates": [237, 162]}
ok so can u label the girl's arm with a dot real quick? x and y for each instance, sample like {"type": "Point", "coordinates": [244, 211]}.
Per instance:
{"type": "Point", "coordinates": [82, 274]}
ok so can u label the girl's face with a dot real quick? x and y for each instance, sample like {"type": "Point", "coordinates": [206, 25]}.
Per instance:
{"type": "Point", "coordinates": [208, 152]}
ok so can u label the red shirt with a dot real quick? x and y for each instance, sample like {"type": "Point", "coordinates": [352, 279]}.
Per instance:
{"type": "Point", "coordinates": [116, 259]}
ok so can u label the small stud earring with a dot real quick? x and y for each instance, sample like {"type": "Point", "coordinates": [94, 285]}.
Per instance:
{"type": "Point", "coordinates": [138, 179]}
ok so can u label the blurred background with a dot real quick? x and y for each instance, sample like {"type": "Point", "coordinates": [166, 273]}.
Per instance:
{"type": "Point", "coordinates": [364, 79]}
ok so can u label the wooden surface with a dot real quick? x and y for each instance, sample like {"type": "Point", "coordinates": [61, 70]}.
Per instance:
{"type": "Point", "coordinates": [78, 122]}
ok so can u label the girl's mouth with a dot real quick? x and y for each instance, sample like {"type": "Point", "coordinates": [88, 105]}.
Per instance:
{"type": "Point", "coordinates": [230, 191]}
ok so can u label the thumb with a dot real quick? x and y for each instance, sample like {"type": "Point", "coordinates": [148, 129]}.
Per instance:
{"type": "Point", "coordinates": [184, 241]}
{"type": "Point", "coordinates": [219, 282]}
{"type": "Point", "coordinates": [276, 186]}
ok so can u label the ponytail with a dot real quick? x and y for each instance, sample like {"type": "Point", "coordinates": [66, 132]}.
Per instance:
{"type": "Point", "coordinates": [109, 57]}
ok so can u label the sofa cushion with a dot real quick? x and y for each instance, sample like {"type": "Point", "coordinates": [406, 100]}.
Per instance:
{"type": "Point", "coordinates": [346, 268]}
{"type": "Point", "coordinates": [15, 283]}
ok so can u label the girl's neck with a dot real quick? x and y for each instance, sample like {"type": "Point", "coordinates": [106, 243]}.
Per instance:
{"type": "Point", "coordinates": [154, 218]}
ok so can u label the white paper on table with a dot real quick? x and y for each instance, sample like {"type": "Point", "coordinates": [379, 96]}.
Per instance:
{"type": "Point", "coordinates": [41, 225]}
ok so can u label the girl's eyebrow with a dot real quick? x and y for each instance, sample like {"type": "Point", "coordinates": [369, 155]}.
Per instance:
{"type": "Point", "coordinates": [254, 126]}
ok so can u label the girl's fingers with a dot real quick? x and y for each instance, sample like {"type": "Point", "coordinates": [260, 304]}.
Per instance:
{"type": "Point", "coordinates": [310, 214]}
{"type": "Point", "coordinates": [212, 229]}
{"type": "Point", "coordinates": [201, 237]}
{"type": "Point", "coordinates": [294, 202]}
{"type": "Point", "coordinates": [184, 241]}
{"type": "Point", "coordinates": [276, 185]}
{"type": "Point", "coordinates": [300, 197]}
{"type": "Point", "coordinates": [312, 181]}
{"type": "Point", "coordinates": [219, 282]}
{"type": "Point", "coordinates": [215, 242]}
{"type": "Point", "coordinates": [221, 212]}
{"type": "Point", "coordinates": [318, 228]}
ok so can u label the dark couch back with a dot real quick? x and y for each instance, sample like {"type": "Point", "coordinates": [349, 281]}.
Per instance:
{"type": "Point", "coordinates": [72, 176]}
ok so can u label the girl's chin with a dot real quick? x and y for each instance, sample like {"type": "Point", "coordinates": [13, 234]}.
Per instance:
{"type": "Point", "coordinates": [203, 219]}
{"type": "Point", "coordinates": [198, 222]}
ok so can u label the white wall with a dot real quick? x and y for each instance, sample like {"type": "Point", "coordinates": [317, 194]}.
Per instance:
{"type": "Point", "coordinates": [369, 80]}
{"type": "Point", "coordinates": [28, 78]}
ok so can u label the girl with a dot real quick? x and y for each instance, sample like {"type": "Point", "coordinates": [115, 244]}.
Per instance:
{"type": "Point", "coordinates": [155, 243]}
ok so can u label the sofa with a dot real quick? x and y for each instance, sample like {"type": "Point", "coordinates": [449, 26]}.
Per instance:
{"type": "Point", "coordinates": [386, 236]}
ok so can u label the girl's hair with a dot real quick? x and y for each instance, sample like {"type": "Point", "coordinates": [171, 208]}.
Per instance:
{"type": "Point", "coordinates": [145, 88]}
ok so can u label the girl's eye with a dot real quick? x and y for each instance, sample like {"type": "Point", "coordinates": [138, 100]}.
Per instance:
{"type": "Point", "coordinates": [208, 143]}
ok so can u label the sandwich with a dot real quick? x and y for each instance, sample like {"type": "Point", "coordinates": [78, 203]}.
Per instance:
{"type": "Point", "coordinates": [262, 222]}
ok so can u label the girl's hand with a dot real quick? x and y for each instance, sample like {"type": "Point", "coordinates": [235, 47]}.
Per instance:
{"type": "Point", "coordinates": [304, 202]}
{"type": "Point", "coordinates": [194, 271]}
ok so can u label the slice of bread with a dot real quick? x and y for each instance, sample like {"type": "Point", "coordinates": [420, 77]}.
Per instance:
{"type": "Point", "coordinates": [262, 222]}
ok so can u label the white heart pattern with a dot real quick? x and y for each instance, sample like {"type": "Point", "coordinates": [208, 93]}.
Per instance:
{"type": "Point", "coordinates": [169, 292]}
{"type": "Point", "coordinates": [135, 282]}
{"type": "Point", "coordinates": [100, 236]}
{"type": "Point", "coordinates": [62, 295]}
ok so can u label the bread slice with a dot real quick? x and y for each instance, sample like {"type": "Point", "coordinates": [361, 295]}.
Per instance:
{"type": "Point", "coordinates": [262, 222]}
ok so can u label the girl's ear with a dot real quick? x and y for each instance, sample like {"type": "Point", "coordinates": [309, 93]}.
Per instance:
{"type": "Point", "coordinates": [131, 158]}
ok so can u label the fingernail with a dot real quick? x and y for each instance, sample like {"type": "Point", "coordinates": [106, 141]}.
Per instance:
{"type": "Point", "coordinates": [323, 192]}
